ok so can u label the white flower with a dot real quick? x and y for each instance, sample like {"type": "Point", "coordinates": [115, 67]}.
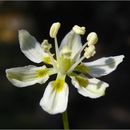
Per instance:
{"type": "Point", "coordinates": [67, 62]}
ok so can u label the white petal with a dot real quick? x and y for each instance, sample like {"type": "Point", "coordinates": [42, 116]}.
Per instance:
{"type": "Point", "coordinates": [72, 42]}
{"type": "Point", "coordinates": [103, 66]}
{"type": "Point", "coordinates": [94, 89]}
{"type": "Point", "coordinates": [30, 47]}
{"type": "Point", "coordinates": [55, 102]}
{"type": "Point", "coordinates": [28, 75]}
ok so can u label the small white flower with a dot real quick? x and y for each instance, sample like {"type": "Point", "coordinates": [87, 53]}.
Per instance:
{"type": "Point", "coordinates": [67, 62]}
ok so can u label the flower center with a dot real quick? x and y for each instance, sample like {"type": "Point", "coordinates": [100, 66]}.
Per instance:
{"type": "Point", "coordinates": [64, 63]}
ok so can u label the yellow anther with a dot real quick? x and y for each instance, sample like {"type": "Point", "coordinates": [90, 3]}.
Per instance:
{"type": "Point", "coordinates": [92, 38]}
{"type": "Point", "coordinates": [46, 45]}
{"type": "Point", "coordinates": [54, 29]}
{"type": "Point", "coordinates": [79, 30]}
{"type": "Point", "coordinates": [89, 51]}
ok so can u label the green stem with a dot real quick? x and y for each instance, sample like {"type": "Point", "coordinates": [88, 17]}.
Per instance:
{"type": "Point", "coordinates": [65, 120]}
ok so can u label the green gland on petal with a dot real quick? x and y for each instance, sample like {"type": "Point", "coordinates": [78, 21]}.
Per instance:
{"type": "Point", "coordinates": [59, 83]}
{"type": "Point", "coordinates": [42, 72]}
{"type": "Point", "coordinates": [82, 68]}
{"type": "Point", "coordinates": [95, 89]}
{"type": "Point", "coordinates": [83, 82]}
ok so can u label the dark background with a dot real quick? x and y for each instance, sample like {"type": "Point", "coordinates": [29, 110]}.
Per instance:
{"type": "Point", "coordinates": [19, 108]}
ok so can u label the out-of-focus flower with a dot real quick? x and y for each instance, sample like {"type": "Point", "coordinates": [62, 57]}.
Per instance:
{"type": "Point", "coordinates": [67, 62]}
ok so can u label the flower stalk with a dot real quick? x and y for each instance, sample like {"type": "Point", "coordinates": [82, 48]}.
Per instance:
{"type": "Point", "coordinates": [65, 120]}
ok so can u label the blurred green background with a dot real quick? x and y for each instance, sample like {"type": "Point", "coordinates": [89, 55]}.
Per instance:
{"type": "Point", "coordinates": [19, 108]}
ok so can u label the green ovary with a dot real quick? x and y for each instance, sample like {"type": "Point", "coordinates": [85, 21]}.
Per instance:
{"type": "Point", "coordinates": [64, 63]}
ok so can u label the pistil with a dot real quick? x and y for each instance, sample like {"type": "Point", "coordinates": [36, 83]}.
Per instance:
{"type": "Point", "coordinates": [53, 34]}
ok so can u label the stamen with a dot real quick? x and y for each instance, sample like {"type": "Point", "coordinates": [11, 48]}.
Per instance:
{"type": "Point", "coordinates": [79, 52]}
{"type": "Point", "coordinates": [56, 48]}
{"type": "Point", "coordinates": [46, 46]}
{"type": "Point", "coordinates": [79, 30]}
{"type": "Point", "coordinates": [75, 64]}
{"type": "Point", "coordinates": [92, 38]}
{"type": "Point", "coordinates": [89, 51]}
{"type": "Point", "coordinates": [54, 29]}
{"type": "Point", "coordinates": [52, 60]}
{"type": "Point", "coordinates": [53, 34]}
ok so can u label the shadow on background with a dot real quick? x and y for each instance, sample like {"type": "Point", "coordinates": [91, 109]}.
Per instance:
{"type": "Point", "coordinates": [19, 108]}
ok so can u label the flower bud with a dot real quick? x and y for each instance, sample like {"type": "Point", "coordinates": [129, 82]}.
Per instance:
{"type": "Point", "coordinates": [89, 51]}
{"type": "Point", "coordinates": [79, 30]}
{"type": "Point", "coordinates": [54, 29]}
{"type": "Point", "coordinates": [92, 38]}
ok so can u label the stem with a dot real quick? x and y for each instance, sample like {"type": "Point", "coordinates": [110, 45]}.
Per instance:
{"type": "Point", "coordinates": [65, 120]}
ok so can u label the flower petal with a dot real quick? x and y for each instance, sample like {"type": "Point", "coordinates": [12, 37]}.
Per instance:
{"type": "Point", "coordinates": [103, 66]}
{"type": "Point", "coordinates": [30, 47]}
{"type": "Point", "coordinates": [94, 88]}
{"type": "Point", "coordinates": [28, 75]}
{"type": "Point", "coordinates": [55, 100]}
{"type": "Point", "coordinates": [71, 42]}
